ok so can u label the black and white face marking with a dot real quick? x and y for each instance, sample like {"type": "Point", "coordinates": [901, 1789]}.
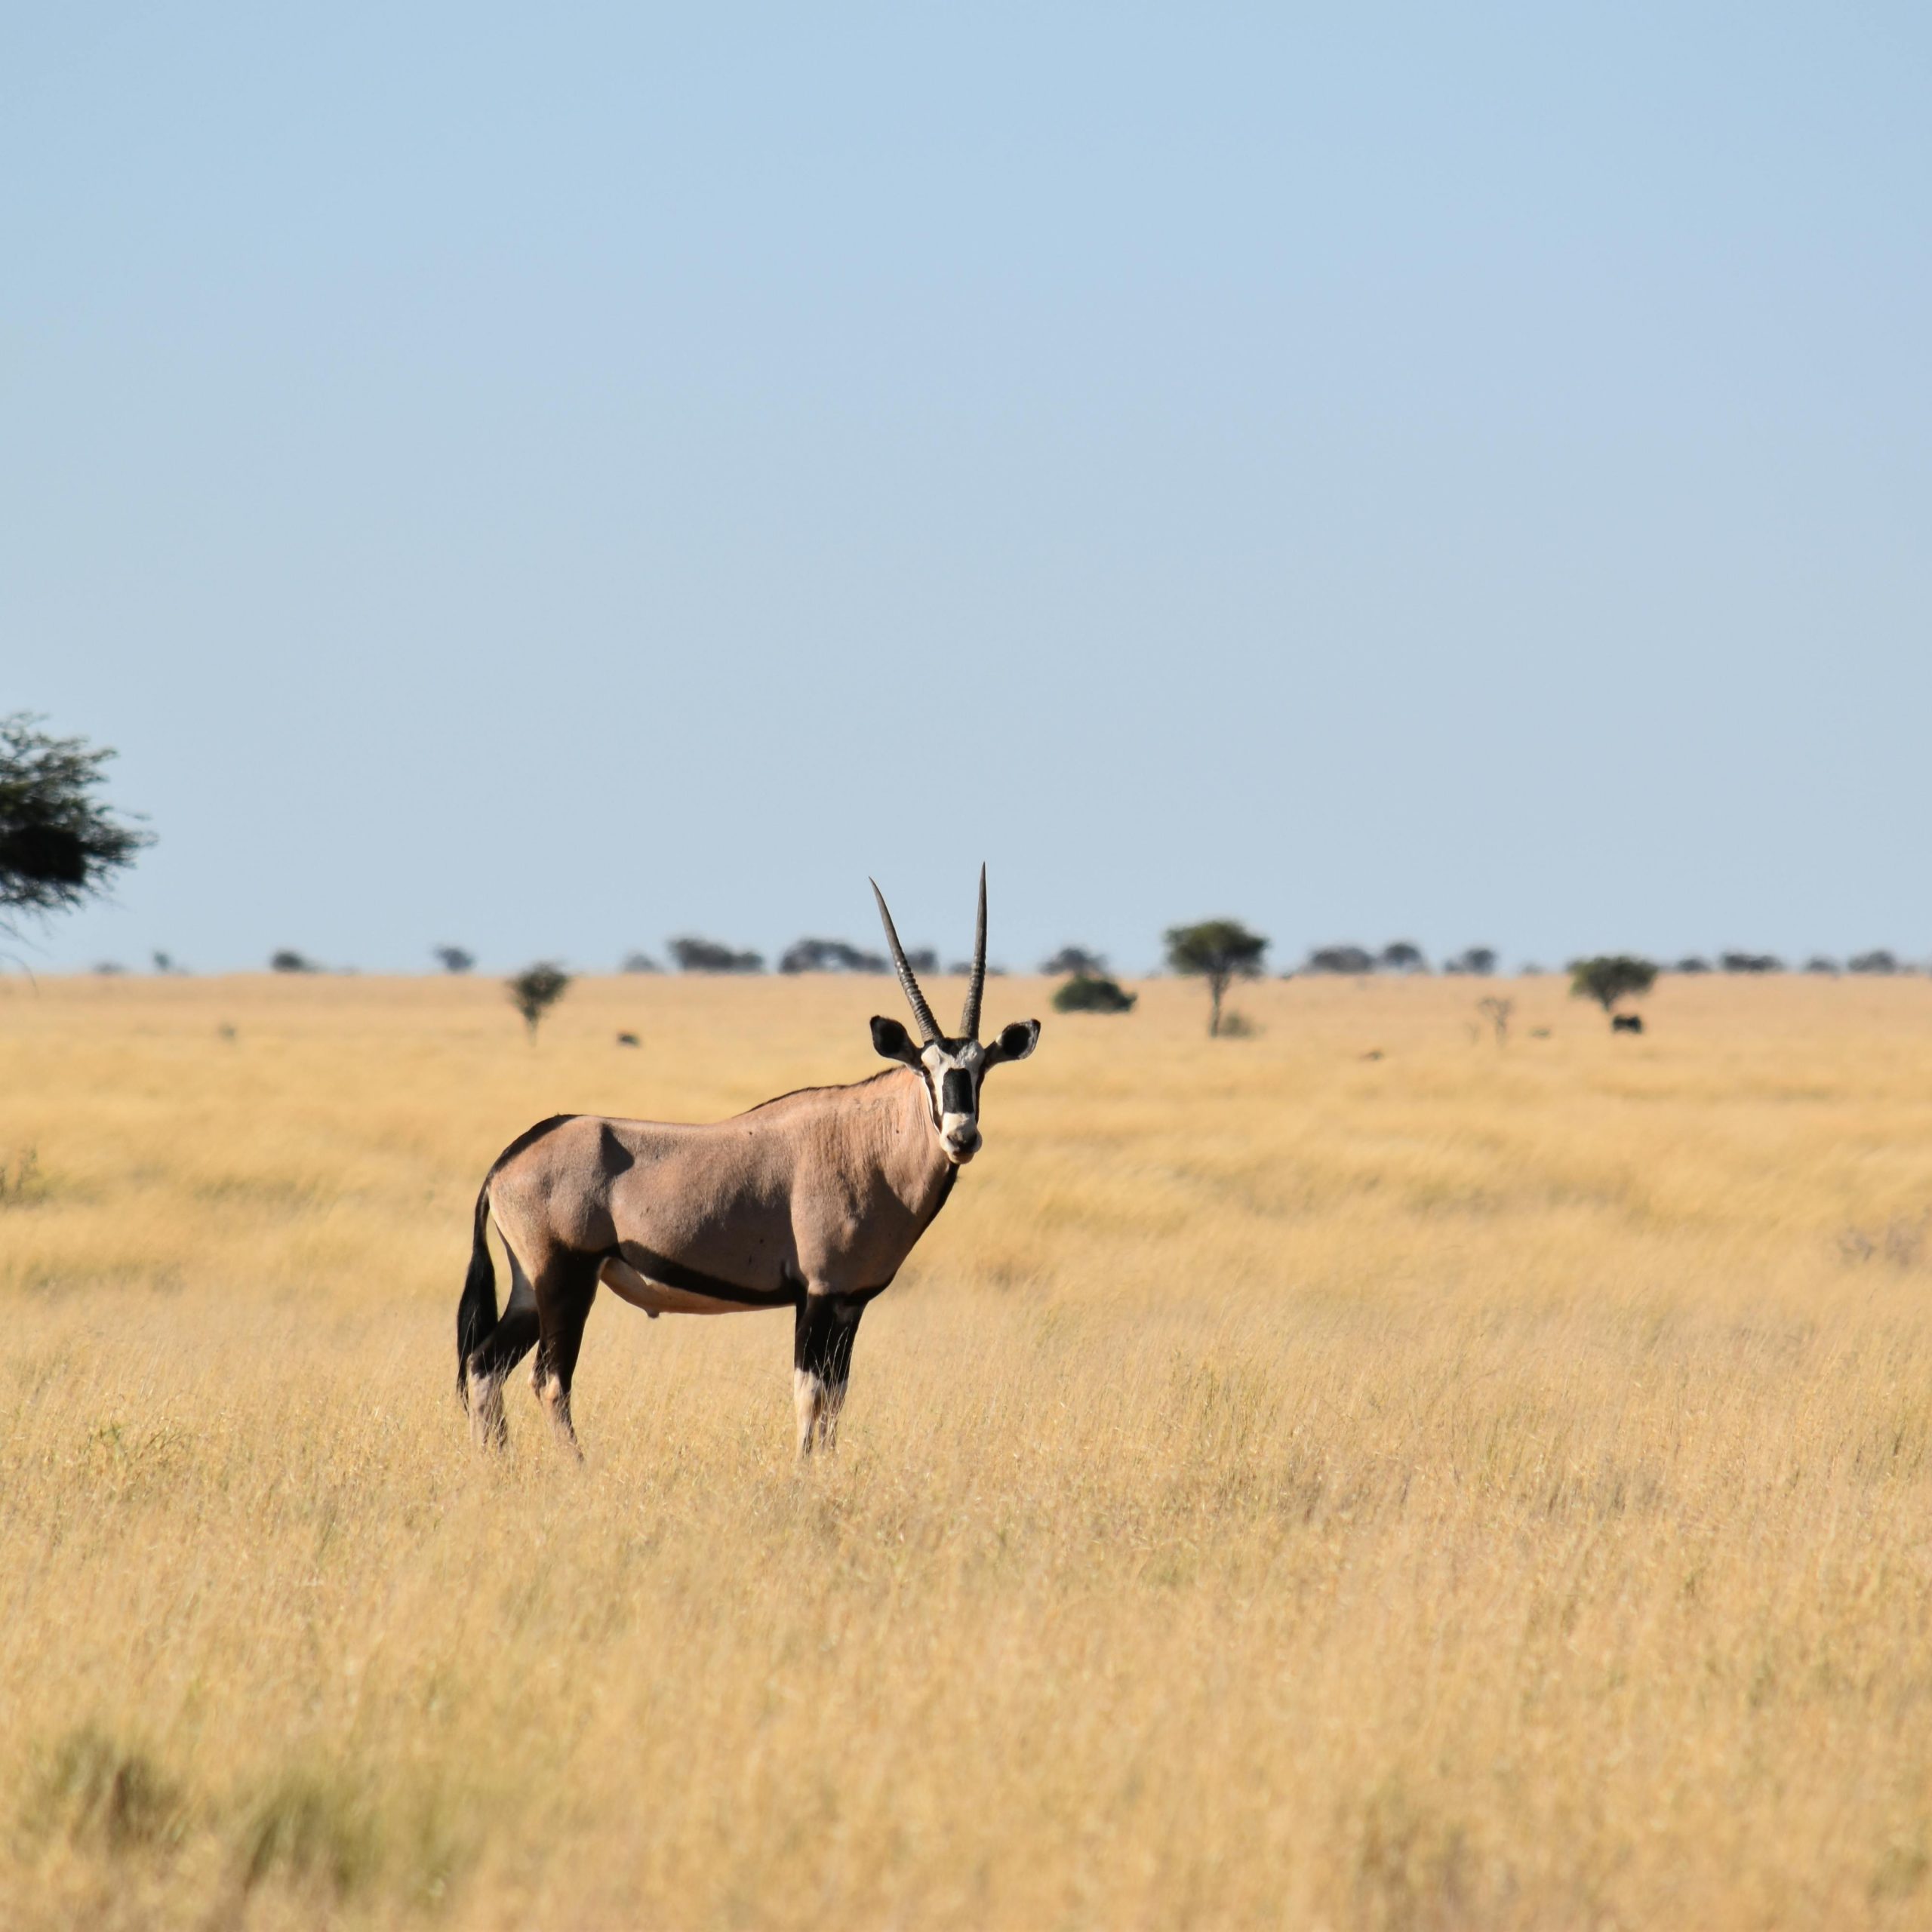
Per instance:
{"type": "Point", "coordinates": [953, 1071]}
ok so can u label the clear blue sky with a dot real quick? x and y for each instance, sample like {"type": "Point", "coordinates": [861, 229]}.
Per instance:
{"type": "Point", "coordinates": [547, 478]}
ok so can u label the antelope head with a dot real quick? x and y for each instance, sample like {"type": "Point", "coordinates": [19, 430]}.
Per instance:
{"type": "Point", "coordinates": [953, 1067]}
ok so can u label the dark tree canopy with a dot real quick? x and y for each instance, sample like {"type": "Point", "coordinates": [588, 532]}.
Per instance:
{"type": "Point", "coordinates": [59, 844]}
{"type": "Point", "coordinates": [830, 955]}
{"type": "Point", "coordinates": [638, 962]}
{"type": "Point", "coordinates": [1093, 992]}
{"type": "Point", "coordinates": [535, 990]}
{"type": "Point", "coordinates": [453, 958]}
{"type": "Point", "coordinates": [694, 954]}
{"type": "Point", "coordinates": [289, 961]}
{"type": "Point", "coordinates": [1077, 959]}
{"type": "Point", "coordinates": [1693, 964]}
{"type": "Point", "coordinates": [1751, 962]}
{"type": "Point", "coordinates": [1478, 960]}
{"type": "Point", "coordinates": [1404, 955]}
{"type": "Point", "coordinates": [1355, 959]}
{"type": "Point", "coordinates": [1611, 977]}
{"type": "Point", "coordinates": [1218, 951]}
{"type": "Point", "coordinates": [1877, 961]}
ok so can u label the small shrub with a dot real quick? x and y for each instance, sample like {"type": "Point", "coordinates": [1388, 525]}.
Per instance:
{"type": "Point", "coordinates": [91, 1790]}
{"type": "Point", "coordinates": [309, 1827]}
{"type": "Point", "coordinates": [20, 1178]}
{"type": "Point", "coordinates": [1092, 992]}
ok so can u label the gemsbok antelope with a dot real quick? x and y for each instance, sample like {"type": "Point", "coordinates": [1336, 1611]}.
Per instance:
{"type": "Point", "coordinates": [811, 1202]}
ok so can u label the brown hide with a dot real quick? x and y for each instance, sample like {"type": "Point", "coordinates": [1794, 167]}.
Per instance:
{"type": "Point", "coordinates": [827, 1189]}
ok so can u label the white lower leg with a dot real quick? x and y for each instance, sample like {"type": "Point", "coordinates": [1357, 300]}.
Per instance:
{"type": "Point", "coordinates": [488, 1429]}
{"type": "Point", "coordinates": [810, 1395]}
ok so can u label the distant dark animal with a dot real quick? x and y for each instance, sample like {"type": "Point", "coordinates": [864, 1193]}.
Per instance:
{"type": "Point", "coordinates": [629, 1040]}
{"type": "Point", "coordinates": [811, 1202]}
{"type": "Point", "coordinates": [1626, 1023]}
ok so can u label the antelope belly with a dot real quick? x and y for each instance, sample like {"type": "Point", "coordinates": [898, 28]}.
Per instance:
{"type": "Point", "coordinates": [654, 1298]}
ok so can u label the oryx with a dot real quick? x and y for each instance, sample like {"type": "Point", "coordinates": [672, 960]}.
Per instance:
{"type": "Point", "coordinates": [811, 1202]}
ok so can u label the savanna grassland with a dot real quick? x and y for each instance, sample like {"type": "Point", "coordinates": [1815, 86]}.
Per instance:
{"type": "Point", "coordinates": [1473, 1487]}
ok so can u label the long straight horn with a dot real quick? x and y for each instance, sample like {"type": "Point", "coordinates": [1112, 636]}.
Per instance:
{"type": "Point", "coordinates": [969, 1021]}
{"type": "Point", "coordinates": [921, 1012]}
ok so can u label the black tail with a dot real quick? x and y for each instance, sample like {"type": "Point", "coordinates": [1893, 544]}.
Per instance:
{"type": "Point", "coordinates": [476, 1313]}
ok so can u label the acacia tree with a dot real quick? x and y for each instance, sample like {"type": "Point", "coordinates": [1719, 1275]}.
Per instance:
{"type": "Point", "coordinates": [1218, 951]}
{"type": "Point", "coordinates": [535, 990]}
{"type": "Point", "coordinates": [59, 844]}
{"type": "Point", "coordinates": [1610, 977]}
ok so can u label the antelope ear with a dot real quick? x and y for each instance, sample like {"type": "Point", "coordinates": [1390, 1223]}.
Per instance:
{"type": "Point", "coordinates": [1015, 1042]}
{"type": "Point", "coordinates": [890, 1041]}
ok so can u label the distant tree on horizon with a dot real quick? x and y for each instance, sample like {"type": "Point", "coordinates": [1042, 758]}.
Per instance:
{"type": "Point", "coordinates": [1075, 960]}
{"type": "Point", "coordinates": [1403, 955]}
{"type": "Point", "coordinates": [1820, 963]}
{"type": "Point", "coordinates": [694, 954]}
{"type": "Point", "coordinates": [1693, 964]}
{"type": "Point", "coordinates": [535, 990]}
{"type": "Point", "coordinates": [830, 955]}
{"type": "Point", "coordinates": [638, 962]}
{"type": "Point", "coordinates": [1354, 960]}
{"type": "Point", "coordinates": [59, 845]}
{"type": "Point", "coordinates": [1880, 960]}
{"type": "Point", "coordinates": [1218, 951]}
{"type": "Point", "coordinates": [1479, 961]}
{"type": "Point", "coordinates": [453, 958]}
{"type": "Point", "coordinates": [1751, 962]}
{"type": "Point", "coordinates": [287, 960]}
{"type": "Point", "coordinates": [1611, 977]}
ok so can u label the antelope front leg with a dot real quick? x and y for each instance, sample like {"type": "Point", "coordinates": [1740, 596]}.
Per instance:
{"type": "Point", "coordinates": [821, 1363]}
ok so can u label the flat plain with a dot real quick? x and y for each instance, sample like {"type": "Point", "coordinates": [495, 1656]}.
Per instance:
{"type": "Point", "coordinates": [1475, 1485]}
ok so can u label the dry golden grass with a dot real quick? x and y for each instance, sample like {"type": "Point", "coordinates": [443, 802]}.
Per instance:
{"type": "Point", "coordinates": [1464, 1487]}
